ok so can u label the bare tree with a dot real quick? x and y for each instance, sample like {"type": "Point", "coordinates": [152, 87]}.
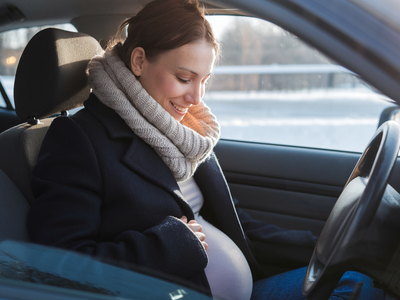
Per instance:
{"type": "Point", "coordinates": [257, 42]}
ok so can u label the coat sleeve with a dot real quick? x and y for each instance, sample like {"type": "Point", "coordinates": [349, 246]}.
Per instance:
{"type": "Point", "coordinates": [274, 245]}
{"type": "Point", "coordinates": [68, 187]}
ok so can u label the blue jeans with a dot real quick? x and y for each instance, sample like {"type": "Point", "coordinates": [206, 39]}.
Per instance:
{"type": "Point", "coordinates": [288, 286]}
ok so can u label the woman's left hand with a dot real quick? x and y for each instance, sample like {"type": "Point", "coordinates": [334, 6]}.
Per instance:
{"type": "Point", "coordinates": [197, 229]}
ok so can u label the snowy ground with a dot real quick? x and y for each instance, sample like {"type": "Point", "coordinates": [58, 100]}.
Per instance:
{"type": "Point", "coordinates": [331, 119]}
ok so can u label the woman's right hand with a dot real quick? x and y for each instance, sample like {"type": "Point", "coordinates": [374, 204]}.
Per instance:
{"type": "Point", "coordinates": [197, 229]}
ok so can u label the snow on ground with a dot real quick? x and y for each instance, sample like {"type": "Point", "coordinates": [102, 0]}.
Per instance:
{"type": "Point", "coordinates": [340, 119]}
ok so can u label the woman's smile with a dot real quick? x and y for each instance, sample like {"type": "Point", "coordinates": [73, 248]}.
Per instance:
{"type": "Point", "coordinates": [180, 109]}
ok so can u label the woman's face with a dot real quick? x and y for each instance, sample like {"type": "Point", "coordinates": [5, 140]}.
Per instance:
{"type": "Point", "coordinates": [177, 78]}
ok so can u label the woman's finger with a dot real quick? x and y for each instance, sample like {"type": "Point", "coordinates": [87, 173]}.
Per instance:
{"type": "Point", "coordinates": [195, 227]}
{"type": "Point", "coordinates": [201, 236]}
{"type": "Point", "coordinates": [205, 245]}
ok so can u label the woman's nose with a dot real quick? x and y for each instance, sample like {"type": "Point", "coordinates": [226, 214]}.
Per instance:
{"type": "Point", "coordinates": [195, 95]}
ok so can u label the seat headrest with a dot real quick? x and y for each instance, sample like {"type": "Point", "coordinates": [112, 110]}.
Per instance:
{"type": "Point", "coordinates": [51, 74]}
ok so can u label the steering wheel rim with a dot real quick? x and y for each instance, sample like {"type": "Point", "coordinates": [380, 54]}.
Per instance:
{"type": "Point", "coordinates": [353, 212]}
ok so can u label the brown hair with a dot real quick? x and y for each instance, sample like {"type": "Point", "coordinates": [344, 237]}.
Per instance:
{"type": "Point", "coordinates": [163, 25]}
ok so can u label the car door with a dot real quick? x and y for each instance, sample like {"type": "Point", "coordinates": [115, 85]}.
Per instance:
{"type": "Point", "coordinates": [294, 124]}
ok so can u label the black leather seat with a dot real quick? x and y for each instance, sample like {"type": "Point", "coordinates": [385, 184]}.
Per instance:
{"type": "Point", "coordinates": [50, 79]}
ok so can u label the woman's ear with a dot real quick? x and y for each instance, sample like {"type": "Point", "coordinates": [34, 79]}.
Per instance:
{"type": "Point", "coordinates": [138, 57]}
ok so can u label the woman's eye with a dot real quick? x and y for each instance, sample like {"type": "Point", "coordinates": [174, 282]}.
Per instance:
{"type": "Point", "coordinates": [183, 80]}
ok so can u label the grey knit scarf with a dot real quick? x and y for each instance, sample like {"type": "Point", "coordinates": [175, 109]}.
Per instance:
{"type": "Point", "coordinates": [181, 145]}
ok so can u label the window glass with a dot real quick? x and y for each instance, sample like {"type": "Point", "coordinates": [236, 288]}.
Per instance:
{"type": "Point", "coordinates": [12, 43]}
{"type": "Point", "coordinates": [271, 87]}
{"type": "Point", "coordinates": [43, 271]}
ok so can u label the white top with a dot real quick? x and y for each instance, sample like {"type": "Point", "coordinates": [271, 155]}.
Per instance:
{"type": "Point", "coordinates": [228, 272]}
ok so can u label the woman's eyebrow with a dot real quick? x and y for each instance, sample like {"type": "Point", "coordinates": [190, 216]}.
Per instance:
{"type": "Point", "coordinates": [193, 72]}
{"type": "Point", "coordinates": [185, 69]}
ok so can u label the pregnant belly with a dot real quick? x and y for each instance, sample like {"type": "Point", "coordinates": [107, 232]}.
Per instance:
{"type": "Point", "coordinates": [228, 272]}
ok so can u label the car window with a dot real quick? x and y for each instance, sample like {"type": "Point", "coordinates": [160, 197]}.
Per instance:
{"type": "Point", "coordinates": [12, 43]}
{"type": "Point", "coordinates": [271, 87]}
{"type": "Point", "coordinates": [39, 270]}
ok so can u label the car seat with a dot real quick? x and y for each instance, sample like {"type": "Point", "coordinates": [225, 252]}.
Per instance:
{"type": "Point", "coordinates": [50, 80]}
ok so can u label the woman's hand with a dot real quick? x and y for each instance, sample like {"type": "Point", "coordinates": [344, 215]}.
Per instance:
{"type": "Point", "coordinates": [197, 229]}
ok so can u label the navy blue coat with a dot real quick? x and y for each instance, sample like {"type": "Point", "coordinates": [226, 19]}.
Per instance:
{"type": "Point", "coordinates": [101, 190]}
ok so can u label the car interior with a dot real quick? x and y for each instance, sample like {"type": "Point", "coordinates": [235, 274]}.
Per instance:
{"type": "Point", "coordinates": [292, 187]}
{"type": "Point", "coordinates": [60, 62]}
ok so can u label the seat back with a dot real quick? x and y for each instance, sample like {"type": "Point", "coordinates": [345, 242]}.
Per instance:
{"type": "Point", "coordinates": [50, 79]}
{"type": "Point", "coordinates": [19, 150]}
{"type": "Point", "coordinates": [13, 212]}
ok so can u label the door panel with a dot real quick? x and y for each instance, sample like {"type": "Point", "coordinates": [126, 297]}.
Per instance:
{"type": "Point", "coordinates": [292, 187]}
{"type": "Point", "coordinates": [284, 208]}
{"type": "Point", "coordinates": [288, 186]}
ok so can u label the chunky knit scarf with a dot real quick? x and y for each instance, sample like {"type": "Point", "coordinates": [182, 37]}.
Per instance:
{"type": "Point", "coordinates": [181, 145]}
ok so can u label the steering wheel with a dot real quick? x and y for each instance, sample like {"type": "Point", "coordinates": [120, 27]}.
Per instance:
{"type": "Point", "coordinates": [361, 233]}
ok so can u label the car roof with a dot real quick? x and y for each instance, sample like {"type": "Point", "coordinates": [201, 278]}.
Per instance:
{"type": "Point", "coordinates": [99, 18]}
